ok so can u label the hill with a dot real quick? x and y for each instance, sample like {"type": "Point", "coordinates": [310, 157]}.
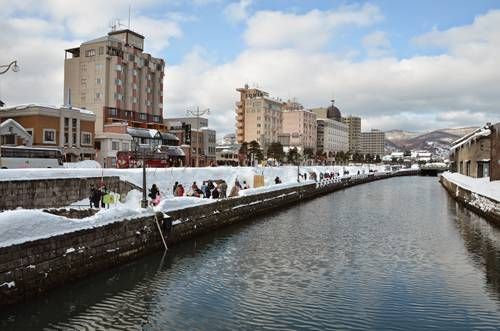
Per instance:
{"type": "Point", "coordinates": [437, 142]}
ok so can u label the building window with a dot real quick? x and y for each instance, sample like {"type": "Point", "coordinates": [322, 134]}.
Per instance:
{"type": "Point", "coordinates": [49, 136]}
{"type": "Point", "coordinates": [90, 52]}
{"type": "Point", "coordinates": [118, 82]}
{"type": "Point", "coordinates": [98, 95]}
{"type": "Point", "coordinates": [143, 116]}
{"type": "Point", "coordinates": [86, 138]}
{"type": "Point", "coordinates": [112, 112]}
{"type": "Point", "coordinates": [66, 138]}
{"type": "Point", "coordinates": [115, 145]}
{"type": "Point", "coordinates": [98, 80]}
{"type": "Point", "coordinates": [125, 146]}
{"type": "Point", "coordinates": [74, 138]}
{"type": "Point", "coordinates": [83, 67]}
{"type": "Point", "coordinates": [99, 66]}
{"type": "Point", "coordinates": [101, 50]}
{"type": "Point", "coordinates": [118, 67]}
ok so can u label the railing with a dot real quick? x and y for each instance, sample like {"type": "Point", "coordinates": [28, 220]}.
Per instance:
{"type": "Point", "coordinates": [130, 115]}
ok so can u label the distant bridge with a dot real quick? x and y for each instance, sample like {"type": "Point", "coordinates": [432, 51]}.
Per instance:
{"type": "Point", "coordinates": [433, 169]}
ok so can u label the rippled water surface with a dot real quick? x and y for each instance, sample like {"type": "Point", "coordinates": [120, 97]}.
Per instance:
{"type": "Point", "coordinates": [393, 254]}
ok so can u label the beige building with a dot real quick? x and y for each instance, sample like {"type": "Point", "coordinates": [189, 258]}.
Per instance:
{"type": "Point", "coordinates": [333, 136]}
{"type": "Point", "coordinates": [354, 125]}
{"type": "Point", "coordinates": [113, 77]}
{"type": "Point", "coordinates": [373, 142]}
{"type": "Point", "coordinates": [471, 155]}
{"type": "Point", "coordinates": [300, 124]}
{"type": "Point", "coordinates": [258, 117]}
{"type": "Point", "coordinates": [70, 130]}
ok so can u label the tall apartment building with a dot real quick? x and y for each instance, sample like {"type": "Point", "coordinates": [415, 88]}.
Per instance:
{"type": "Point", "coordinates": [300, 124]}
{"type": "Point", "coordinates": [113, 77]}
{"type": "Point", "coordinates": [373, 142]}
{"type": "Point", "coordinates": [354, 124]}
{"type": "Point", "coordinates": [258, 117]}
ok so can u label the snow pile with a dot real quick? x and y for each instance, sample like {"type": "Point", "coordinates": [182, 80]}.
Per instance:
{"type": "Point", "coordinates": [481, 186]}
{"type": "Point", "coordinates": [165, 178]}
{"type": "Point", "coordinates": [23, 225]}
{"type": "Point", "coordinates": [87, 164]}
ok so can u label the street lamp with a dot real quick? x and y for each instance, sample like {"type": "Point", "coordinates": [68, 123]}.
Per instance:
{"type": "Point", "coordinates": [197, 114]}
{"type": "Point", "coordinates": [4, 69]}
{"type": "Point", "coordinates": [152, 147]}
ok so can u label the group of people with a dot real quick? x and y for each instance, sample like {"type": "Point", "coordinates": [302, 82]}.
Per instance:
{"type": "Point", "coordinates": [100, 197]}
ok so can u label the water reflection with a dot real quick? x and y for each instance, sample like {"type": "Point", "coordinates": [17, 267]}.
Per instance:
{"type": "Point", "coordinates": [395, 254]}
{"type": "Point", "coordinates": [482, 241]}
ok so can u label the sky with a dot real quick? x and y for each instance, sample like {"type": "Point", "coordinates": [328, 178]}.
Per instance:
{"type": "Point", "coordinates": [410, 65]}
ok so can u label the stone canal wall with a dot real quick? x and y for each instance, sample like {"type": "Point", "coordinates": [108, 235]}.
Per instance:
{"type": "Point", "coordinates": [58, 192]}
{"type": "Point", "coordinates": [31, 268]}
{"type": "Point", "coordinates": [481, 205]}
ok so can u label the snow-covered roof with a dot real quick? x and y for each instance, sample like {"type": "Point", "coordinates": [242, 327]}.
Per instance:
{"type": "Point", "coordinates": [101, 39]}
{"type": "Point", "coordinates": [474, 135]}
{"type": "Point", "coordinates": [10, 126]}
{"type": "Point", "coordinates": [40, 105]}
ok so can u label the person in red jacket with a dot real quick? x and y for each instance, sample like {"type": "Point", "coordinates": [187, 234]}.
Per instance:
{"type": "Point", "coordinates": [179, 191]}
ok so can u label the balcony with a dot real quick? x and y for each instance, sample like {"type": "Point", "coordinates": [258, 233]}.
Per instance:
{"type": "Point", "coordinates": [239, 118]}
{"type": "Point", "coordinates": [114, 115]}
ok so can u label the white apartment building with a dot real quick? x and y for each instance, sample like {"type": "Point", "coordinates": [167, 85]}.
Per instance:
{"type": "Point", "coordinates": [373, 142]}
{"type": "Point", "coordinates": [333, 136]}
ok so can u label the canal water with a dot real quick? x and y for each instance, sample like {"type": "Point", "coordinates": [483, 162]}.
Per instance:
{"type": "Point", "coordinates": [393, 254]}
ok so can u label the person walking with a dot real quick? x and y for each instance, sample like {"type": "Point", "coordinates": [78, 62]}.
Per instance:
{"type": "Point", "coordinates": [154, 194]}
{"type": "Point", "coordinates": [204, 189]}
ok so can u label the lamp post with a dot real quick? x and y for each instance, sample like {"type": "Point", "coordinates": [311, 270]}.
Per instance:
{"type": "Point", "coordinates": [6, 67]}
{"type": "Point", "coordinates": [151, 148]}
{"type": "Point", "coordinates": [197, 114]}
{"type": "Point", "coordinates": [3, 69]}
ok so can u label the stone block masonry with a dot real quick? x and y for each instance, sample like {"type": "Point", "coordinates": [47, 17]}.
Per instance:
{"type": "Point", "coordinates": [481, 205]}
{"type": "Point", "coordinates": [49, 193]}
{"type": "Point", "coordinates": [32, 268]}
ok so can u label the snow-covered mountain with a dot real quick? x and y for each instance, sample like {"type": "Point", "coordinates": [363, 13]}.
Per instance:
{"type": "Point", "coordinates": [437, 142]}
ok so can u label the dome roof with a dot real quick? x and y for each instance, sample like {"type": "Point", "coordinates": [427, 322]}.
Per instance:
{"type": "Point", "coordinates": [333, 113]}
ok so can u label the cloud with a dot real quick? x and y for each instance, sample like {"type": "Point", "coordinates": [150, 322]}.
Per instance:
{"type": "Point", "coordinates": [377, 44]}
{"type": "Point", "coordinates": [236, 12]}
{"type": "Point", "coordinates": [36, 33]}
{"type": "Point", "coordinates": [416, 93]}
{"type": "Point", "coordinates": [313, 30]}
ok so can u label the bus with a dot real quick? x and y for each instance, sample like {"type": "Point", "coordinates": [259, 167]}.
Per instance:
{"type": "Point", "coordinates": [30, 157]}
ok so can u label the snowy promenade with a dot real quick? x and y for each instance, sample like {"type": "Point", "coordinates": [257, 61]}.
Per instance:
{"type": "Point", "coordinates": [479, 194]}
{"type": "Point", "coordinates": [481, 186]}
{"type": "Point", "coordinates": [23, 225]}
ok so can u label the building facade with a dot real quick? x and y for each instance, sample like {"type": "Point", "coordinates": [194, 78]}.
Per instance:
{"type": "Point", "coordinates": [332, 137]}
{"type": "Point", "coordinates": [354, 126]}
{"type": "Point", "coordinates": [70, 130]}
{"type": "Point", "coordinates": [372, 143]}
{"type": "Point", "coordinates": [258, 117]}
{"type": "Point", "coordinates": [113, 77]}
{"type": "Point", "coordinates": [195, 132]}
{"type": "Point", "coordinates": [300, 125]}
{"type": "Point", "coordinates": [471, 154]}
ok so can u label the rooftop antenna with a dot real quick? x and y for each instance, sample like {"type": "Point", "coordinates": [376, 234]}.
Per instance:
{"type": "Point", "coordinates": [129, 9]}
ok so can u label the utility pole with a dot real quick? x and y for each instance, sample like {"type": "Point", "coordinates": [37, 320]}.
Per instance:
{"type": "Point", "coordinates": [197, 114]}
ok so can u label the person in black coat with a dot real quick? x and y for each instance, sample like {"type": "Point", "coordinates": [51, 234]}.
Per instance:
{"type": "Point", "coordinates": [175, 188]}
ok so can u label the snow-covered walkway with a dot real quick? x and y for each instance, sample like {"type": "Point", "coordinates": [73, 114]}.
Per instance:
{"type": "Point", "coordinates": [21, 225]}
{"type": "Point", "coordinates": [481, 186]}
